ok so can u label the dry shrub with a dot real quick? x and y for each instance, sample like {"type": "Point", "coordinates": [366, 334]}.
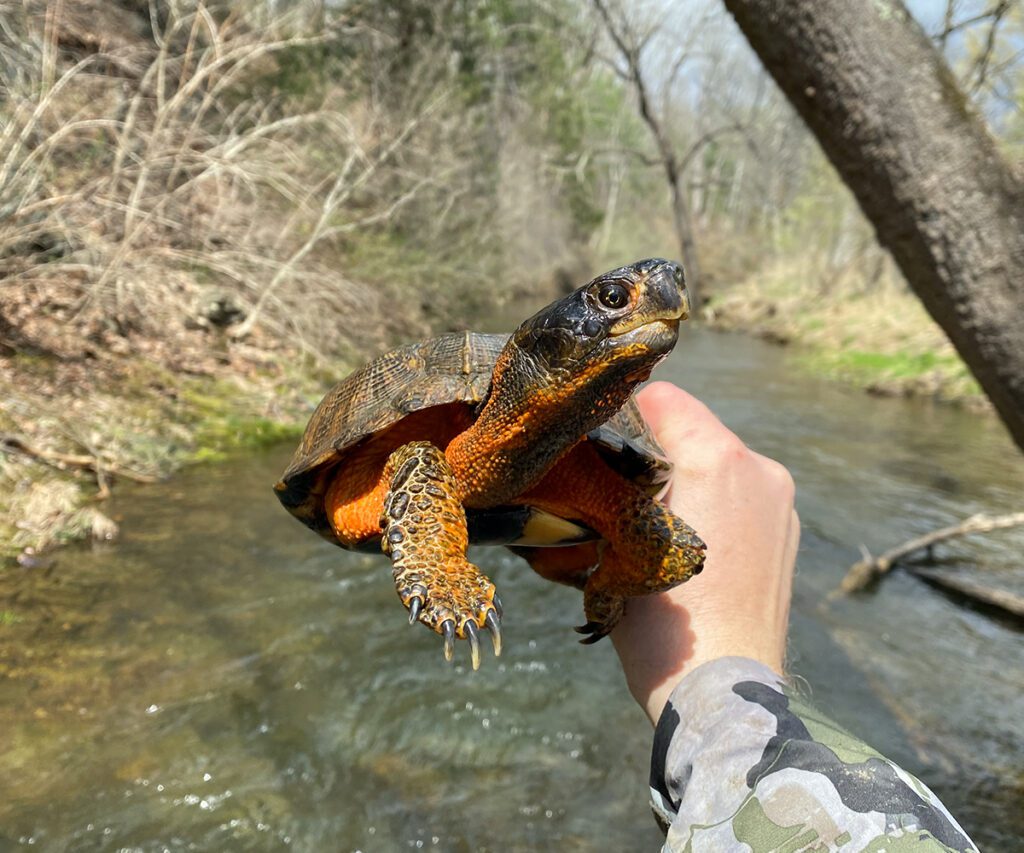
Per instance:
{"type": "Point", "coordinates": [146, 178]}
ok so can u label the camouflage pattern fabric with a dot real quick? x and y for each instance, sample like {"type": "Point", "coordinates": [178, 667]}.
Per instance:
{"type": "Point", "coordinates": [742, 763]}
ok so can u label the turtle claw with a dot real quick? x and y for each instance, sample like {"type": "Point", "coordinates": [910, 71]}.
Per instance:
{"type": "Point", "coordinates": [595, 630]}
{"type": "Point", "coordinates": [457, 608]}
{"type": "Point", "coordinates": [452, 620]}
{"type": "Point", "coordinates": [415, 606]}
{"type": "Point", "coordinates": [423, 530]}
{"type": "Point", "coordinates": [493, 625]}
{"type": "Point", "coordinates": [473, 635]}
{"type": "Point", "coordinates": [448, 629]}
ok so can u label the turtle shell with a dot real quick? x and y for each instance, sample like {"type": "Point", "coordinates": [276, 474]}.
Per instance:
{"type": "Point", "coordinates": [448, 369]}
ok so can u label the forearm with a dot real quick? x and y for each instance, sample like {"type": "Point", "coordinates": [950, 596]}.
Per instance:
{"type": "Point", "coordinates": [740, 759]}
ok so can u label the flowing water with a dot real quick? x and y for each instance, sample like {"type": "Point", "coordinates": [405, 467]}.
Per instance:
{"type": "Point", "coordinates": [223, 680]}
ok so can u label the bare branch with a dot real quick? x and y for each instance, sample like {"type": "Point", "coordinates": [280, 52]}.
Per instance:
{"type": "Point", "coordinates": [949, 27]}
{"type": "Point", "coordinates": [947, 24]}
{"type": "Point", "coordinates": [1003, 600]}
{"type": "Point", "coordinates": [630, 49]}
{"type": "Point", "coordinates": [980, 70]}
{"type": "Point", "coordinates": [866, 570]}
{"type": "Point", "coordinates": [16, 444]}
{"type": "Point", "coordinates": [709, 136]}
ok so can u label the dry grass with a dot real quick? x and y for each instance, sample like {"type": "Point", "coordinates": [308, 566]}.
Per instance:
{"type": "Point", "coordinates": [153, 176]}
{"type": "Point", "coordinates": [860, 324]}
{"type": "Point", "coordinates": [43, 509]}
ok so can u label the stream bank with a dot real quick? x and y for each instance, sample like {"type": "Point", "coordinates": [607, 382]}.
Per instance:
{"type": "Point", "coordinates": [71, 430]}
{"type": "Point", "coordinates": [880, 341]}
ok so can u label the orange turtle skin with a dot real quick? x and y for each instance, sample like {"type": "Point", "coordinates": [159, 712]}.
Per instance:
{"type": "Point", "coordinates": [541, 421]}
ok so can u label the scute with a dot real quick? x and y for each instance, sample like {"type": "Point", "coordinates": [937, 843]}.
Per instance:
{"type": "Point", "coordinates": [446, 369]}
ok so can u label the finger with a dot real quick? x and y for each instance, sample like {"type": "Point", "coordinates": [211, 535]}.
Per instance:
{"type": "Point", "coordinates": [661, 403]}
{"type": "Point", "coordinates": [678, 419]}
{"type": "Point", "coordinates": [792, 541]}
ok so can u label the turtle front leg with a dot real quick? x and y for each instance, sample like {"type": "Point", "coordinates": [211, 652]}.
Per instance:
{"type": "Point", "coordinates": [653, 550]}
{"type": "Point", "coordinates": [424, 533]}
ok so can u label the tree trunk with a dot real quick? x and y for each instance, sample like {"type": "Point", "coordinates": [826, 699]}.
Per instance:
{"type": "Point", "coordinates": [889, 115]}
{"type": "Point", "coordinates": [684, 234]}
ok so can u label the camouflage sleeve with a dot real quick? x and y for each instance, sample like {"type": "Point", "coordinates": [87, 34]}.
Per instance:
{"type": "Point", "coordinates": [742, 763]}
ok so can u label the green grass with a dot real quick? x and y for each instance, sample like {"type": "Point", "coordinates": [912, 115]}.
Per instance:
{"type": "Point", "coordinates": [945, 371]}
{"type": "Point", "coordinates": [889, 365]}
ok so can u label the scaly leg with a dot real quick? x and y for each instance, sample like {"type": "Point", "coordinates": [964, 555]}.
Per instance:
{"type": "Point", "coordinates": [425, 535]}
{"type": "Point", "coordinates": [653, 551]}
{"type": "Point", "coordinates": [649, 549]}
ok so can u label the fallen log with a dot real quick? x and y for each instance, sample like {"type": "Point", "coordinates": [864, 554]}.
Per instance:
{"type": "Point", "coordinates": [63, 461]}
{"type": "Point", "coordinates": [866, 570]}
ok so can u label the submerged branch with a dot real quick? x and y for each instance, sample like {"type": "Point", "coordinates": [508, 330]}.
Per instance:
{"type": "Point", "coordinates": [998, 599]}
{"type": "Point", "coordinates": [864, 571]}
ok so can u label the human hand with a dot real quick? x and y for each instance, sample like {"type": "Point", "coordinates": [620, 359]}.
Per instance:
{"type": "Point", "coordinates": [741, 505]}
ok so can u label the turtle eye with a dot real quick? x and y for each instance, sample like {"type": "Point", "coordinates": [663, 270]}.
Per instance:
{"type": "Point", "coordinates": [613, 296]}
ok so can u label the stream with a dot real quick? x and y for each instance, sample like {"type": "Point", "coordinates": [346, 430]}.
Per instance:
{"type": "Point", "coordinates": [223, 680]}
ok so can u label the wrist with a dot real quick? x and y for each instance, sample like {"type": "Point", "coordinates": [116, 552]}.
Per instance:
{"type": "Point", "coordinates": [660, 641]}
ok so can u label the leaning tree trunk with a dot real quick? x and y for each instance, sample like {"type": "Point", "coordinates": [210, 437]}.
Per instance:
{"type": "Point", "coordinates": [891, 118]}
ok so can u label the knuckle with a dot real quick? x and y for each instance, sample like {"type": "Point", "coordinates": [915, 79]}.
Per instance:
{"type": "Point", "coordinates": [781, 476]}
{"type": "Point", "coordinates": [727, 447]}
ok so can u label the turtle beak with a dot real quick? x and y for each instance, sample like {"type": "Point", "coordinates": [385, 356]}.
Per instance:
{"type": "Point", "coordinates": [684, 297]}
{"type": "Point", "coordinates": [666, 289]}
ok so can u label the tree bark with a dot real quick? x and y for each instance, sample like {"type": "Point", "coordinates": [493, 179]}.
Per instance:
{"type": "Point", "coordinates": [888, 113]}
{"type": "Point", "coordinates": [684, 232]}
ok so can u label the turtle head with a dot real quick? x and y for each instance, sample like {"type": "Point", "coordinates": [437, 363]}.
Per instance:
{"type": "Point", "coordinates": [563, 373]}
{"type": "Point", "coordinates": [628, 315]}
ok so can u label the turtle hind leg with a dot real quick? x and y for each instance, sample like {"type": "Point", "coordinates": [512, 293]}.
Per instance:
{"type": "Point", "coordinates": [653, 551]}
{"type": "Point", "coordinates": [648, 548]}
{"type": "Point", "coordinates": [424, 533]}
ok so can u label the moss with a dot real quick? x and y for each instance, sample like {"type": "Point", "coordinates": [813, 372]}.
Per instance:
{"type": "Point", "coordinates": [218, 437]}
{"type": "Point", "coordinates": [226, 417]}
